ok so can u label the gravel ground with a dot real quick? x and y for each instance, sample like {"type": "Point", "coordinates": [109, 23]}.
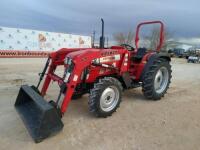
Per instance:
{"type": "Point", "coordinates": [172, 123]}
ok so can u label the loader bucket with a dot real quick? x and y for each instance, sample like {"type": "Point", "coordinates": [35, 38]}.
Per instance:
{"type": "Point", "coordinates": [40, 118]}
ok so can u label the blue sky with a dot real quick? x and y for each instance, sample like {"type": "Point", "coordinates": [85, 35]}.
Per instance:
{"type": "Point", "coordinates": [83, 16]}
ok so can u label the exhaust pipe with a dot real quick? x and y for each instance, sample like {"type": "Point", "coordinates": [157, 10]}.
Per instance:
{"type": "Point", "coordinates": [102, 38]}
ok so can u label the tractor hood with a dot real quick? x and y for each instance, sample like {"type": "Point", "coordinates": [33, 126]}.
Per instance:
{"type": "Point", "coordinates": [82, 52]}
{"type": "Point", "coordinates": [84, 55]}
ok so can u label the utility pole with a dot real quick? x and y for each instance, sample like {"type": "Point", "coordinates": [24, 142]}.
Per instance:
{"type": "Point", "coordinates": [93, 38]}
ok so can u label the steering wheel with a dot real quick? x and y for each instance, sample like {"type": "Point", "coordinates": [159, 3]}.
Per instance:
{"type": "Point", "coordinates": [128, 47]}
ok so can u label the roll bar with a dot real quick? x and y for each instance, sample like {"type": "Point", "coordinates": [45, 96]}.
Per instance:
{"type": "Point", "coordinates": [161, 33]}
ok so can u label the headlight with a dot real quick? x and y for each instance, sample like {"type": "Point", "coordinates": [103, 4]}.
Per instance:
{"type": "Point", "coordinates": [96, 61]}
{"type": "Point", "coordinates": [67, 61]}
{"type": "Point", "coordinates": [69, 68]}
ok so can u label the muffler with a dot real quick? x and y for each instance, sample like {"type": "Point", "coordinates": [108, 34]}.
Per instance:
{"type": "Point", "coordinates": [40, 117]}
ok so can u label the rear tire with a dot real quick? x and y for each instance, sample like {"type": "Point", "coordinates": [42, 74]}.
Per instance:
{"type": "Point", "coordinates": [157, 79]}
{"type": "Point", "coordinates": [105, 97]}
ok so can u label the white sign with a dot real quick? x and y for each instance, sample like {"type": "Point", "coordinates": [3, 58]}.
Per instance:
{"type": "Point", "coordinates": [32, 40]}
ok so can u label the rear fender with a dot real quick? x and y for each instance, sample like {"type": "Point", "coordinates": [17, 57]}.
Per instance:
{"type": "Point", "coordinates": [150, 61]}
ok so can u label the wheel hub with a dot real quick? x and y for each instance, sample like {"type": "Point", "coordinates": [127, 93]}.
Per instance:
{"type": "Point", "coordinates": [161, 80]}
{"type": "Point", "coordinates": [109, 98]}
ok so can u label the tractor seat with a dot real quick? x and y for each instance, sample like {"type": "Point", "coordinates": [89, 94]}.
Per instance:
{"type": "Point", "coordinates": [140, 54]}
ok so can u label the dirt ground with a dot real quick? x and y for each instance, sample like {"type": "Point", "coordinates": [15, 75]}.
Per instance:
{"type": "Point", "coordinates": [170, 124]}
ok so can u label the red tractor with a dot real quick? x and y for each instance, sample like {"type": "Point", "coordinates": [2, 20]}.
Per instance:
{"type": "Point", "coordinates": [101, 72]}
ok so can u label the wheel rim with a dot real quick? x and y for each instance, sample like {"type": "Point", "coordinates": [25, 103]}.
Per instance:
{"type": "Point", "coordinates": [109, 98]}
{"type": "Point", "coordinates": [161, 80]}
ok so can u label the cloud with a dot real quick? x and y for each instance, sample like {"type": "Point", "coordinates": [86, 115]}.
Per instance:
{"type": "Point", "coordinates": [82, 17]}
{"type": "Point", "coordinates": [192, 41]}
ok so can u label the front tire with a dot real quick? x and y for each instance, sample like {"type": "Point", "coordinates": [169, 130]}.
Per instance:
{"type": "Point", "coordinates": [157, 79]}
{"type": "Point", "coordinates": [105, 97]}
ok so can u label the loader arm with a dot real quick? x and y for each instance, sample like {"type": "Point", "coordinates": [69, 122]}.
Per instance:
{"type": "Point", "coordinates": [80, 63]}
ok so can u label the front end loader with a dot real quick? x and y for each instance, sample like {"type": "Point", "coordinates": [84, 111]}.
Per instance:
{"type": "Point", "coordinates": [101, 72]}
